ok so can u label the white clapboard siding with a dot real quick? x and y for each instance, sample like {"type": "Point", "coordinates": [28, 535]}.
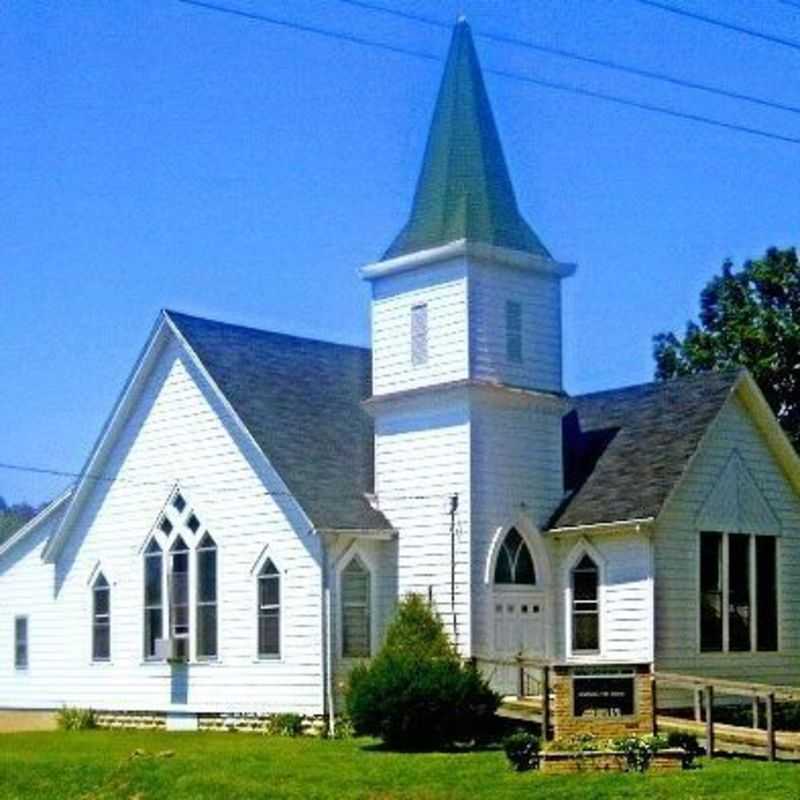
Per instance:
{"type": "Point", "coordinates": [734, 438]}
{"type": "Point", "coordinates": [539, 296]}
{"type": "Point", "coordinates": [626, 596]}
{"type": "Point", "coordinates": [516, 474]}
{"type": "Point", "coordinates": [422, 457]}
{"type": "Point", "coordinates": [443, 287]}
{"type": "Point", "coordinates": [177, 431]}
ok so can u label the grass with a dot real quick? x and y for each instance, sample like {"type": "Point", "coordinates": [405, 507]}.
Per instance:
{"type": "Point", "coordinates": [100, 765]}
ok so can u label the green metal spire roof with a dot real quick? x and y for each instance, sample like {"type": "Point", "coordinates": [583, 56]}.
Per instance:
{"type": "Point", "coordinates": [464, 190]}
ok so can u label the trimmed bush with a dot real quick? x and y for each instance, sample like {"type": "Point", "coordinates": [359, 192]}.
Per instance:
{"type": "Point", "coordinates": [416, 693]}
{"type": "Point", "coordinates": [76, 719]}
{"type": "Point", "coordinates": [522, 750]}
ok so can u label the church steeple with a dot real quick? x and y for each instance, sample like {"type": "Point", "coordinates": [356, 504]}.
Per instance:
{"type": "Point", "coordinates": [464, 191]}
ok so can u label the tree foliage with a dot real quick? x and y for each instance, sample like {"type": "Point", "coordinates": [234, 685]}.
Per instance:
{"type": "Point", "coordinates": [12, 518]}
{"type": "Point", "coordinates": [748, 318]}
{"type": "Point", "coordinates": [416, 693]}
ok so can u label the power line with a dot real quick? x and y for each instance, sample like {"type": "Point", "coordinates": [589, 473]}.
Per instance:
{"type": "Point", "coordinates": [730, 26]}
{"type": "Point", "coordinates": [563, 87]}
{"type": "Point", "coordinates": [169, 483]}
{"type": "Point", "coordinates": [573, 55]}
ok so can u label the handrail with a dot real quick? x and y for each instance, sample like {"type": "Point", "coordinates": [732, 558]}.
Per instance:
{"type": "Point", "coordinates": [725, 686]}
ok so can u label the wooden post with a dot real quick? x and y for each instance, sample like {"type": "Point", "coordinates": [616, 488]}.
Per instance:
{"type": "Point", "coordinates": [520, 679]}
{"type": "Point", "coordinates": [698, 705]}
{"type": "Point", "coordinates": [709, 691]}
{"type": "Point", "coordinates": [546, 703]}
{"type": "Point", "coordinates": [755, 713]}
{"type": "Point", "coordinates": [771, 746]}
{"type": "Point", "coordinates": [654, 703]}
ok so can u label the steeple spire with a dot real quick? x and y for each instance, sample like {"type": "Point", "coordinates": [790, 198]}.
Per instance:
{"type": "Point", "coordinates": [464, 190]}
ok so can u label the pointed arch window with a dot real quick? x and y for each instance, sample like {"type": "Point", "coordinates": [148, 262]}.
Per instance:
{"type": "Point", "coordinates": [101, 619]}
{"type": "Point", "coordinates": [356, 613]}
{"type": "Point", "coordinates": [207, 597]}
{"type": "Point", "coordinates": [585, 581]}
{"type": "Point", "coordinates": [514, 562]}
{"type": "Point", "coordinates": [269, 611]}
{"type": "Point", "coordinates": [179, 598]}
{"type": "Point", "coordinates": [153, 598]}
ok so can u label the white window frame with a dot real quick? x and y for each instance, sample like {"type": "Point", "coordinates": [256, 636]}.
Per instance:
{"type": "Point", "coordinates": [368, 564]}
{"type": "Point", "coordinates": [258, 578]}
{"type": "Point", "coordinates": [194, 594]}
{"type": "Point", "coordinates": [582, 548]}
{"type": "Point", "coordinates": [94, 623]}
{"type": "Point", "coordinates": [161, 541]}
{"type": "Point", "coordinates": [19, 665]}
{"type": "Point", "coordinates": [725, 567]}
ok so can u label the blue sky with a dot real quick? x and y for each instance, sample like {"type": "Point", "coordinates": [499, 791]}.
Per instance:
{"type": "Point", "coordinates": [160, 155]}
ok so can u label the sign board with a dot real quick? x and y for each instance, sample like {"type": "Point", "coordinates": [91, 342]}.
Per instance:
{"type": "Point", "coordinates": [602, 697]}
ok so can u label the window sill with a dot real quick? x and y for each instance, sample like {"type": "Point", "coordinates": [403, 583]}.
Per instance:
{"type": "Point", "coordinates": [277, 659]}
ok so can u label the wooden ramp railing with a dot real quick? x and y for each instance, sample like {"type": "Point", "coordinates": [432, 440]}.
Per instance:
{"type": "Point", "coordinates": [706, 688]}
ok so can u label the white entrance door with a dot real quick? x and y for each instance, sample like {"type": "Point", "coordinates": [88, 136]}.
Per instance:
{"type": "Point", "coordinates": [519, 624]}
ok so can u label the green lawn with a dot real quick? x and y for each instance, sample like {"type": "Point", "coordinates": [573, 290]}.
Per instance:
{"type": "Point", "coordinates": [99, 765]}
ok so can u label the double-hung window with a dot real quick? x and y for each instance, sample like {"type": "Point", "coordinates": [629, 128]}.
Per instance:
{"type": "Point", "coordinates": [207, 598]}
{"type": "Point", "coordinates": [585, 606]}
{"type": "Point", "coordinates": [21, 642]}
{"type": "Point", "coordinates": [269, 611]}
{"type": "Point", "coordinates": [153, 598]}
{"type": "Point", "coordinates": [356, 616]}
{"type": "Point", "coordinates": [738, 592]}
{"type": "Point", "coordinates": [101, 619]}
{"type": "Point", "coordinates": [179, 598]}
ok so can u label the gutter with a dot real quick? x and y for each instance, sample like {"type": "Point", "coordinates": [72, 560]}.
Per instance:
{"type": "Point", "coordinates": [641, 525]}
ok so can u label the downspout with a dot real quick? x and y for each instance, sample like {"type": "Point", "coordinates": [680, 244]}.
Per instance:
{"type": "Point", "coordinates": [326, 641]}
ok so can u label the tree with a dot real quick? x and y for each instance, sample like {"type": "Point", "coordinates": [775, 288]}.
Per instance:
{"type": "Point", "coordinates": [12, 518]}
{"type": "Point", "coordinates": [748, 318]}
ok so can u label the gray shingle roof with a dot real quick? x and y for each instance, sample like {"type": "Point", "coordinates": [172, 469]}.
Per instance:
{"type": "Point", "coordinates": [300, 399]}
{"type": "Point", "coordinates": [625, 449]}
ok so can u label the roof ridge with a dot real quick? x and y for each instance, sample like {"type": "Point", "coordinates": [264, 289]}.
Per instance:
{"type": "Point", "coordinates": [732, 372]}
{"type": "Point", "coordinates": [172, 313]}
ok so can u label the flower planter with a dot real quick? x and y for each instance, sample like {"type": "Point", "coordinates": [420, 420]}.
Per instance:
{"type": "Point", "coordinates": [561, 762]}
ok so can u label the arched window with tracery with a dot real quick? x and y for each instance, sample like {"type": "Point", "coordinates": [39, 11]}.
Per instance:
{"type": "Point", "coordinates": [514, 562]}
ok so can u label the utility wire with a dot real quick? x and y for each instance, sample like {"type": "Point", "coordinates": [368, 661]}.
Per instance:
{"type": "Point", "coordinates": [563, 87]}
{"type": "Point", "coordinates": [573, 55]}
{"type": "Point", "coordinates": [730, 26]}
{"type": "Point", "coordinates": [166, 482]}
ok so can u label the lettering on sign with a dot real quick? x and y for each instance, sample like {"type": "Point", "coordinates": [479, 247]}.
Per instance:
{"type": "Point", "coordinates": [598, 698]}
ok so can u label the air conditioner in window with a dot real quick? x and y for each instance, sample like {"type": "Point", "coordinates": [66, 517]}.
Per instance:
{"type": "Point", "coordinates": [173, 649]}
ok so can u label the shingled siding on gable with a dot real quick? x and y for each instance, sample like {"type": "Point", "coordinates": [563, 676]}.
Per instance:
{"type": "Point", "coordinates": [539, 296]}
{"type": "Point", "coordinates": [444, 289]}
{"type": "Point", "coordinates": [177, 430]}
{"type": "Point", "coordinates": [676, 557]}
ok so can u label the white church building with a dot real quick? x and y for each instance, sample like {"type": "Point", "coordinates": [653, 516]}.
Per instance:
{"type": "Point", "coordinates": [257, 503]}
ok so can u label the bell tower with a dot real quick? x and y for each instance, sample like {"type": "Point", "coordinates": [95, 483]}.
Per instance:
{"type": "Point", "coordinates": [466, 346]}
